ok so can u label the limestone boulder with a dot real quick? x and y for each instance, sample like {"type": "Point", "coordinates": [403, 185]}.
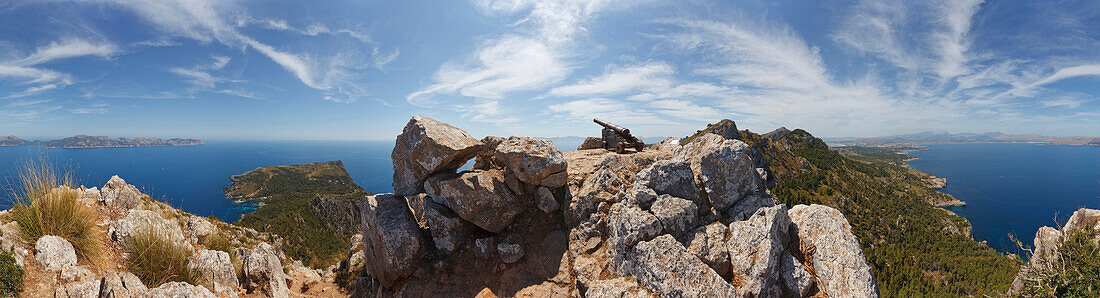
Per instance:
{"type": "Point", "coordinates": [179, 289]}
{"type": "Point", "coordinates": [510, 250]}
{"type": "Point", "coordinates": [601, 186]}
{"type": "Point", "coordinates": [118, 194]}
{"type": "Point", "coordinates": [728, 174]}
{"type": "Point", "coordinates": [534, 161]}
{"type": "Point", "coordinates": [670, 177]}
{"type": "Point", "coordinates": [837, 259]}
{"type": "Point", "coordinates": [677, 215]}
{"type": "Point", "coordinates": [200, 227]}
{"type": "Point", "coordinates": [708, 243]}
{"type": "Point", "coordinates": [546, 201]}
{"type": "Point", "coordinates": [54, 252]}
{"type": "Point", "coordinates": [667, 268]}
{"type": "Point", "coordinates": [756, 247]}
{"type": "Point", "coordinates": [591, 143]}
{"type": "Point", "coordinates": [120, 285]}
{"type": "Point", "coordinates": [480, 197]}
{"type": "Point", "coordinates": [727, 129]}
{"type": "Point", "coordinates": [670, 143]}
{"type": "Point", "coordinates": [640, 195]}
{"type": "Point", "coordinates": [75, 274]}
{"type": "Point", "coordinates": [10, 241]}
{"type": "Point", "coordinates": [427, 146]}
{"type": "Point", "coordinates": [1080, 220]}
{"type": "Point", "coordinates": [627, 225]}
{"type": "Point", "coordinates": [447, 229]}
{"type": "Point", "coordinates": [485, 156]}
{"type": "Point", "coordinates": [214, 270]}
{"type": "Point", "coordinates": [138, 220]}
{"type": "Point", "coordinates": [748, 206]}
{"type": "Point", "coordinates": [619, 287]}
{"type": "Point", "coordinates": [391, 239]}
{"type": "Point", "coordinates": [263, 271]}
{"type": "Point", "coordinates": [88, 289]}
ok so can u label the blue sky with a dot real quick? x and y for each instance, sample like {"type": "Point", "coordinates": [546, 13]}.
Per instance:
{"type": "Point", "coordinates": [335, 70]}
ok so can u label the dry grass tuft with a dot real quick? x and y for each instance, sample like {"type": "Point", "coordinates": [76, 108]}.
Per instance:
{"type": "Point", "coordinates": [42, 209]}
{"type": "Point", "coordinates": [156, 260]}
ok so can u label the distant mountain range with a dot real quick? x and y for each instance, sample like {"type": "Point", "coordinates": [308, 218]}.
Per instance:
{"type": "Point", "coordinates": [937, 137]}
{"type": "Point", "coordinates": [83, 141]}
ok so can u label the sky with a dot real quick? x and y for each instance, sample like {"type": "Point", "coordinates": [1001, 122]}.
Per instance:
{"type": "Point", "coordinates": [358, 70]}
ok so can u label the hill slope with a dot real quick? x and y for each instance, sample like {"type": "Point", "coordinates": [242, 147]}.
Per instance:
{"type": "Point", "coordinates": [913, 247]}
{"type": "Point", "coordinates": [311, 206]}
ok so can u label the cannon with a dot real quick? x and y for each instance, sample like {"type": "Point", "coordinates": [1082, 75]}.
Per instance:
{"type": "Point", "coordinates": [618, 138]}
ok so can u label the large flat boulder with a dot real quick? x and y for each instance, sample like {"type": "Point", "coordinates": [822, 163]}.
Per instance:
{"type": "Point", "coordinates": [837, 259]}
{"type": "Point", "coordinates": [723, 167]}
{"type": "Point", "coordinates": [677, 215]}
{"type": "Point", "coordinates": [756, 247]}
{"type": "Point", "coordinates": [480, 197]}
{"type": "Point", "coordinates": [427, 146]}
{"type": "Point", "coordinates": [665, 267]}
{"type": "Point", "coordinates": [533, 160]}
{"type": "Point", "coordinates": [391, 239]}
{"type": "Point", "coordinates": [601, 186]}
{"type": "Point", "coordinates": [627, 225]}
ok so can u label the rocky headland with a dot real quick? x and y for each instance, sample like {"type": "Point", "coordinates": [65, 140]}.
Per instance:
{"type": "Point", "coordinates": [83, 141]}
{"type": "Point", "coordinates": [680, 219]}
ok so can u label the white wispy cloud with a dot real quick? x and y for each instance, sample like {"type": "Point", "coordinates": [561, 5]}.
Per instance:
{"type": "Point", "coordinates": [207, 21]}
{"type": "Point", "coordinates": [28, 70]}
{"type": "Point", "coordinates": [69, 48]}
{"type": "Point", "coordinates": [200, 75]}
{"type": "Point", "coordinates": [616, 80]}
{"type": "Point", "coordinates": [535, 56]}
{"type": "Point", "coordinates": [953, 43]}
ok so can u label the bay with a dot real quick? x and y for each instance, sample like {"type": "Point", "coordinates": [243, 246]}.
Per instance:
{"type": "Point", "coordinates": [191, 178]}
{"type": "Point", "coordinates": [1014, 187]}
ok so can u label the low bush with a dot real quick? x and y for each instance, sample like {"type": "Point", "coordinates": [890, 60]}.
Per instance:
{"type": "Point", "coordinates": [156, 260]}
{"type": "Point", "coordinates": [42, 209]}
{"type": "Point", "coordinates": [11, 275]}
{"type": "Point", "coordinates": [1074, 271]}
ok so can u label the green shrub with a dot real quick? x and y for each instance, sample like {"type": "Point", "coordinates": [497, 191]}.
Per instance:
{"type": "Point", "coordinates": [42, 209]}
{"type": "Point", "coordinates": [217, 241]}
{"type": "Point", "coordinates": [1075, 272]}
{"type": "Point", "coordinates": [11, 275]}
{"type": "Point", "coordinates": [156, 260]}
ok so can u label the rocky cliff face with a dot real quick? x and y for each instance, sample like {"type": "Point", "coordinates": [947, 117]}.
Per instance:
{"type": "Point", "coordinates": [529, 220]}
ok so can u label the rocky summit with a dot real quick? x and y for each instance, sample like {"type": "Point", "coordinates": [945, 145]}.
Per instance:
{"type": "Point", "coordinates": [680, 219]}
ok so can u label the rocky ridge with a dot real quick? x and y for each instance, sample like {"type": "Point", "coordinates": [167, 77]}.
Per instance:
{"type": "Point", "coordinates": [1047, 257]}
{"type": "Point", "coordinates": [691, 219]}
{"type": "Point", "coordinates": [254, 265]}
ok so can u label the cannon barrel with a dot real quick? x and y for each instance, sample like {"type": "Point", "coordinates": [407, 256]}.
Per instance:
{"type": "Point", "coordinates": [618, 129]}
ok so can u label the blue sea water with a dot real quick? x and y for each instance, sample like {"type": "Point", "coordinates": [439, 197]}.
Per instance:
{"type": "Point", "coordinates": [1014, 187]}
{"type": "Point", "coordinates": [192, 178]}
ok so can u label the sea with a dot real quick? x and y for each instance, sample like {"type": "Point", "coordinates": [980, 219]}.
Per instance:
{"type": "Point", "coordinates": [1014, 188]}
{"type": "Point", "coordinates": [192, 178]}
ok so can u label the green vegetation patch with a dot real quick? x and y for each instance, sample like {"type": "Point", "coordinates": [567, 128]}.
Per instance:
{"type": "Point", "coordinates": [310, 206]}
{"type": "Point", "coordinates": [11, 275]}
{"type": "Point", "coordinates": [1076, 273]}
{"type": "Point", "coordinates": [42, 209]}
{"type": "Point", "coordinates": [156, 260]}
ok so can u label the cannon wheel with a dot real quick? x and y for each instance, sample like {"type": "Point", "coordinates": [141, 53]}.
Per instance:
{"type": "Point", "coordinates": [619, 148]}
{"type": "Point", "coordinates": [640, 146]}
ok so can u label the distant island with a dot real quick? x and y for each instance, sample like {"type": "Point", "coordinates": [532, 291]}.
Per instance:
{"type": "Point", "coordinates": [84, 141]}
{"type": "Point", "coordinates": [940, 137]}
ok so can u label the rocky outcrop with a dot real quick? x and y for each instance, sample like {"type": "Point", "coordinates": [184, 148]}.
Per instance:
{"type": "Point", "coordinates": [666, 267]}
{"type": "Point", "coordinates": [118, 194]}
{"type": "Point", "coordinates": [427, 146]}
{"type": "Point", "coordinates": [213, 270]}
{"type": "Point", "coordinates": [263, 272]}
{"type": "Point", "coordinates": [591, 143]}
{"type": "Point", "coordinates": [534, 161]}
{"type": "Point", "coordinates": [120, 285]}
{"type": "Point", "coordinates": [837, 258]}
{"type": "Point", "coordinates": [692, 220]}
{"type": "Point", "coordinates": [78, 290]}
{"type": "Point", "coordinates": [179, 289]}
{"type": "Point", "coordinates": [1047, 258]}
{"type": "Point", "coordinates": [200, 227]}
{"type": "Point", "coordinates": [391, 238]}
{"type": "Point", "coordinates": [54, 252]}
{"type": "Point", "coordinates": [139, 221]}
{"type": "Point", "coordinates": [480, 197]}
